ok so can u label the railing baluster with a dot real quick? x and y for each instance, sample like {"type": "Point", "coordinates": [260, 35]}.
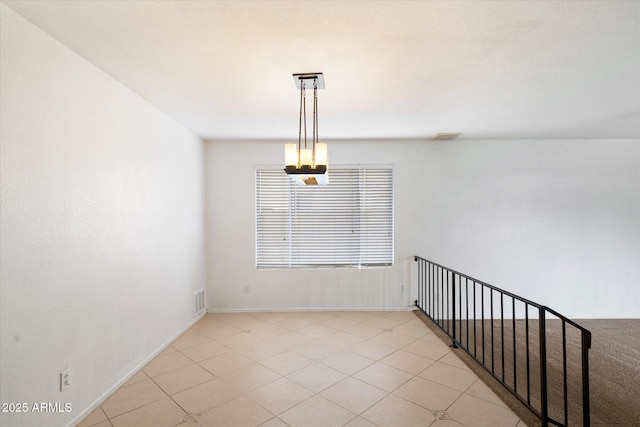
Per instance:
{"type": "Point", "coordinates": [502, 332]}
{"type": "Point", "coordinates": [526, 324]}
{"type": "Point", "coordinates": [434, 297]}
{"type": "Point", "coordinates": [586, 345]}
{"type": "Point", "coordinates": [440, 297]}
{"type": "Point", "coordinates": [482, 302]}
{"type": "Point", "coordinates": [442, 315]}
{"type": "Point", "coordinates": [430, 289]}
{"type": "Point", "coordinates": [427, 289]}
{"type": "Point", "coordinates": [453, 308]}
{"type": "Point", "coordinates": [466, 299]}
{"type": "Point", "coordinates": [492, 350]}
{"type": "Point", "coordinates": [434, 291]}
{"type": "Point", "coordinates": [513, 325]}
{"type": "Point", "coordinates": [459, 308]}
{"type": "Point", "coordinates": [564, 371]}
{"type": "Point", "coordinates": [425, 292]}
{"type": "Point", "coordinates": [419, 300]}
{"type": "Point", "coordinates": [475, 331]}
{"type": "Point", "coordinates": [423, 287]}
{"type": "Point", "coordinates": [544, 411]}
{"type": "Point", "coordinates": [450, 307]}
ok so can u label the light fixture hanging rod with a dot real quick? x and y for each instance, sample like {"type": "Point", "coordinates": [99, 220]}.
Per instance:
{"type": "Point", "coordinates": [302, 103]}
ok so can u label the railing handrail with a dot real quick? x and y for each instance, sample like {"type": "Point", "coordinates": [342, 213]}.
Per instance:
{"type": "Point", "coordinates": [518, 297]}
{"type": "Point", "coordinates": [437, 291]}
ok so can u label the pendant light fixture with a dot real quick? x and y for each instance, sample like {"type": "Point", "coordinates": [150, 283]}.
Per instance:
{"type": "Point", "coordinates": [306, 164]}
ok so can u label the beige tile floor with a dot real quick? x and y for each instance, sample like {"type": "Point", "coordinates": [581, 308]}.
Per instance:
{"type": "Point", "coordinates": [307, 369]}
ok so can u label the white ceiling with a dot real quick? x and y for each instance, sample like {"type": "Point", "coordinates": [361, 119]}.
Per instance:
{"type": "Point", "coordinates": [396, 69]}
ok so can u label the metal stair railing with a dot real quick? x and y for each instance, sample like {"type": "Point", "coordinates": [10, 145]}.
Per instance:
{"type": "Point", "coordinates": [522, 344]}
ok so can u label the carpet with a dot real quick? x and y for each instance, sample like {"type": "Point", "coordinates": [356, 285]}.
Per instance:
{"type": "Point", "coordinates": [614, 367]}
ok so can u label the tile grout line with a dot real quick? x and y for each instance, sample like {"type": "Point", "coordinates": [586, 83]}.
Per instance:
{"type": "Point", "coordinates": [359, 339]}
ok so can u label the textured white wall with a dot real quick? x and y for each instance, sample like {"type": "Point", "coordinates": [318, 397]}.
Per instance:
{"type": "Point", "coordinates": [102, 229]}
{"type": "Point", "coordinates": [555, 221]}
{"type": "Point", "coordinates": [230, 175]}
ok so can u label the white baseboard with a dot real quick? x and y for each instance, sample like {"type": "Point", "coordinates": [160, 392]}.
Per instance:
{"type": "Point", "coordinates": [303, 309]}
{"type": "Point", "coordinates": [126, 378]}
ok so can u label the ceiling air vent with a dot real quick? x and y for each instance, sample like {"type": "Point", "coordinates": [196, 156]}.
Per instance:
{"type": "Point", "coordinates": [444, 136]}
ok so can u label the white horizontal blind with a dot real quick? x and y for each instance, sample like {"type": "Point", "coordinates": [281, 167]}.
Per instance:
{"type": "Point", "coordinates": [347, 223]}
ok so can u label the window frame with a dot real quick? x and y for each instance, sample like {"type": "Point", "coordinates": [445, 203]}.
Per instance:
{"type": "Point", "coordinates": [292, 204]}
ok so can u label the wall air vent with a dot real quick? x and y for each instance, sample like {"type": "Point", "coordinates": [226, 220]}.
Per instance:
{"type": "Point", "coordinates": [444, 136]}
{"type": "Point", "coordinates": [198, 302]}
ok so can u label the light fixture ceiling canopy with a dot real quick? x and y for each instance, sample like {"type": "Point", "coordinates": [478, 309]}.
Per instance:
{"type": "Point", "coordinates": [308, 80]}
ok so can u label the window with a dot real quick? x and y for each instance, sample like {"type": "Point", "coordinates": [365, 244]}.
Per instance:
{"type": "Point", "coordinates": [347, 223]}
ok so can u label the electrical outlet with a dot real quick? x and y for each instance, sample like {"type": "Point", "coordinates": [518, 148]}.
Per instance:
{"type": "Point", "coordinates": [246, 289]}
{"type": "Point", "coordinates": [64, 379]}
